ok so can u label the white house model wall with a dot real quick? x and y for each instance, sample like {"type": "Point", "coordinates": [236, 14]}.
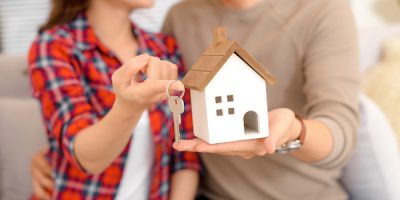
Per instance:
{"type": "Point", "coordinates": [233, 106]}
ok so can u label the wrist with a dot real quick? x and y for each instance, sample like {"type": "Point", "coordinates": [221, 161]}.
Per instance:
{"type": "Point", "coordinates": [126, 110]}
{"type": "Point", "coordinates": [296, 129]}
{"type": "Point", "coordinates": [297, 137]}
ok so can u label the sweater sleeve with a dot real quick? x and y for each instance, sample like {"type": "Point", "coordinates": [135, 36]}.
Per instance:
{"type": "Point", "coordinates": [331, 75]}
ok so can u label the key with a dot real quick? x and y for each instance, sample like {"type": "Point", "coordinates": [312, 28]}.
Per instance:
{"type": "Point", "coordinates": [177, 107]}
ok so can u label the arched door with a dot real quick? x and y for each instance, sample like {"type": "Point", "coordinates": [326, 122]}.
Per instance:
{"type": "Point", "coordinates": [251, 123]}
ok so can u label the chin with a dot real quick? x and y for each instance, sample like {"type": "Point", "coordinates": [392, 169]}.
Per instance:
{"type": "Point", "coordinates": [136, 4]}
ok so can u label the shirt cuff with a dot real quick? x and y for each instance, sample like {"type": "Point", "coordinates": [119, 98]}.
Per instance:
{"type": "Point", "coordinates": [339, 144]}
{"type": "Point", "coordinates": [68, 140]}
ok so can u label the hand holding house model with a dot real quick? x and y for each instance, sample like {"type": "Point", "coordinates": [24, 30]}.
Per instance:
{"type": "Point", "coordinates": [228, 93]}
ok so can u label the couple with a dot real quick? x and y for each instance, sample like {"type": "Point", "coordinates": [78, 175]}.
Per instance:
{"type": "Point", "coordinates": [101, 85]}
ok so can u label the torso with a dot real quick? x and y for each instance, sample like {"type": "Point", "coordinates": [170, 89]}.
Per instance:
{"type": "Point", "coordinates": [93, 64]}
{"type": "Point", "coordinates": [277, 34]}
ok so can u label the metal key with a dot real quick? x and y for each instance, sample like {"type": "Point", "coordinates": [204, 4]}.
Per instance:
{"type": "Point", "coordinates": [177, 107]}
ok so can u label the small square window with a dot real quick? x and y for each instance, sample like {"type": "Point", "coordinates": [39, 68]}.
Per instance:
{"type": "Point", "coordinates": [231, 111]}
{"type": "Point", "coordinates": [218, 99]}
{"type": "Point", "coordinates": [230, 98]}
{"type": "Point", "coordinates": [219, 112]}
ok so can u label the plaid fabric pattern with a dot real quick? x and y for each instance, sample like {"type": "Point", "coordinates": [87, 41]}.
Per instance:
{"type": "Point", "coordinates": [70, 71]}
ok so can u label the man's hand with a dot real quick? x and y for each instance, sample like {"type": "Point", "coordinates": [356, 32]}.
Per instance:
{"type": "Point", "coordinates": [42, 180]}
{"type": "Point", "coordinates": [283, 127]}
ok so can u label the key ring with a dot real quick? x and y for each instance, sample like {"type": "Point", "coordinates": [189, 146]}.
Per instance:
{"type": "Point", "coordinates": [167, 90]}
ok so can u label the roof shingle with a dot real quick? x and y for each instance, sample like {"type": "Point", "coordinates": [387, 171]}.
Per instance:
{"type": "Point", "coordinates": [214, 57]}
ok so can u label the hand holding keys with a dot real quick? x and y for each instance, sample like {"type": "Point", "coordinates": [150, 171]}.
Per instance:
{"type": "Point", "coordinates": [177, 107]}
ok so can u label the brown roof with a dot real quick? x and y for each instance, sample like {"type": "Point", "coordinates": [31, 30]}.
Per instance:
{"type": "Point", "coordinates": [213, 58]}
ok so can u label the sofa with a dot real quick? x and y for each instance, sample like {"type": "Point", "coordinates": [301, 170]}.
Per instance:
{"type": "Point", "coordinates": [21, 130]}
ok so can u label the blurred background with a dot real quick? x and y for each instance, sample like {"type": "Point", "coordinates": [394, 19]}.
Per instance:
{"type": "Point", "coordinates": [19, 19]}
{"type": "Point", "coordinates": [372, 173]}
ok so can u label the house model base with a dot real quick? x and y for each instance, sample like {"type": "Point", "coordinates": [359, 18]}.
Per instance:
{"type": "Point", "coordinates": [228, 93]}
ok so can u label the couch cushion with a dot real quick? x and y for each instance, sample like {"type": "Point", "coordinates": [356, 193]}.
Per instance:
{"type": "Point", "coordinates": [373, 171]}
{"type": "Point", "coordinates": [21, 135]}
{"type": "Point", "coordinates": [13, 69]}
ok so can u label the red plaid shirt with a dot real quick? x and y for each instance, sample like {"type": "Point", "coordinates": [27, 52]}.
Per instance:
{"type": "Point", "coordinates": [71, 70]}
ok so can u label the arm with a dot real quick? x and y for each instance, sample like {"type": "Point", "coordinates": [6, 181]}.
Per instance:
{"type": "Point", "coordinates": [331, 88]}
{"type": "Point", "coordinates": [95, 147]}
{"type": "Point", "coordinates": [331, 71]}
{"type": "Point", "coordinates": [85, 140]}
{"type": "Point", "coordinates": [318, 143]}
{"type": "Point", "coordinates": [184, 184]}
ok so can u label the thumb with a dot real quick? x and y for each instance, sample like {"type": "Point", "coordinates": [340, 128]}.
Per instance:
{"type": "Point", "coordinates": [132, 67]}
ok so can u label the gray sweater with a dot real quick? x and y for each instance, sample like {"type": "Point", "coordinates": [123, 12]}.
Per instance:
{"type": "Point", "coordinates": [310, 46]}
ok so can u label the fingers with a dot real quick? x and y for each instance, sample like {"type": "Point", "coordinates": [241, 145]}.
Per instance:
{"type": "Point", "coordinates": [279, 122]}
{"type": "Point", "coordinates": [39, 162]}
{"type": "Point", "coordinates": [270, 144]}
{"type": "Point", "coordinates": [127, 72]}
{"type": "Point", "coordinates": [159, 74]}
{"type": "Point", "coordinates": [161, 70]}
{"type": "Point", "coordinates": [170, 71]}
{"type": "Point", "coordinates": [42, 179]}
{"type": "Point", "coordinates": [40, 192]}
{"type": "Point", "coordinates": [154, 70]}
{"type": "Point", "coordinates": [279, 125]}
{"type": "Point", "coordinates": [187, 145]}
{"type": "Point", "coordinates": [245, 149]}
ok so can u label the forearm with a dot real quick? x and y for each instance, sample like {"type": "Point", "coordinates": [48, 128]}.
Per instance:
{"type": "Point", "coordinates": [318, 142]}
{"type": "Point", "coordinates": [184, 184]}
{"type": "Point", "coordinates": [98, 145]}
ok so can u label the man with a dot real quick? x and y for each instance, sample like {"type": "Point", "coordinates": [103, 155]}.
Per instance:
{"type": "Point", "coordinates": [311, 47]}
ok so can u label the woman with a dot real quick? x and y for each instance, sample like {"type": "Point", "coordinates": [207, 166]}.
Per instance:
{"type": "Point", "coordinates": [101, 87]}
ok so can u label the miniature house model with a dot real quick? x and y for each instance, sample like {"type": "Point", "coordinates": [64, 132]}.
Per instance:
{"type": "Point", "coordinates": [228, 93]}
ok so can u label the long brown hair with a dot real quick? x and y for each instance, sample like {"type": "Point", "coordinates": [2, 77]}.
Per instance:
{"type": "Point", "coordinates": [63, 11]}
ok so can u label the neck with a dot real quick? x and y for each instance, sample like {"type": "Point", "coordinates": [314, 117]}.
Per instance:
{"type": "Point", "coordinates": [111, 30]}
{"type": "Point", "coordinates": [240, 4]}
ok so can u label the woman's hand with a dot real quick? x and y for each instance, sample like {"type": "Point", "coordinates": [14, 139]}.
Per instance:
{"type": "Point", "coordinates": [42, 180]}
{"type": "Point", "coordinates": [97, 146]}
{"type": "Point", "coordinates": [139, 95]}
{"type": "Point", "coordinates": [283, 127]}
